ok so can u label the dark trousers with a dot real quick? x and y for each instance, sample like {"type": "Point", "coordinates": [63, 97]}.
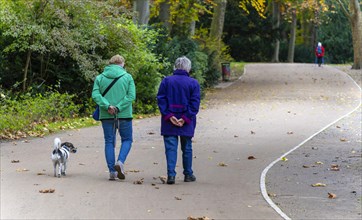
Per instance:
{"type": "Point", "coordinates": [319, 61]}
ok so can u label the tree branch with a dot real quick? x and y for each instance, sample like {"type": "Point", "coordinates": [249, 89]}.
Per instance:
{"type": "Point", "coordinates": [344, 9]}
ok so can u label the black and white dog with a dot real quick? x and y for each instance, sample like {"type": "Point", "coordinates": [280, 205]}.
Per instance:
{"type": "Point", "coordinates": [60, 156]}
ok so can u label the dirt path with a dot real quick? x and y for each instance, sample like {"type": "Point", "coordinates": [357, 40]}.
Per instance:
{"type": "Point", "coordinates": [271, 109]}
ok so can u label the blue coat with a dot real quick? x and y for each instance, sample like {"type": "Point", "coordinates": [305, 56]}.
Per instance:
{"type": "Point", "coordinates": [179, 96]}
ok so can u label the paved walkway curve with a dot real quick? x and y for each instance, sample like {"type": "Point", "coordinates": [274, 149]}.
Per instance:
{"type": "Point", "coordinates": [268, 111]}
{"type": "Point", "coordinates": [331, 156]}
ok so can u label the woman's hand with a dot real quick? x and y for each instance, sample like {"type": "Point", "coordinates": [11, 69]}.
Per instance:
{"type": "Point", "coordinates": [112, 110]}
{"type": "Point", "coordinates": [177, 122]}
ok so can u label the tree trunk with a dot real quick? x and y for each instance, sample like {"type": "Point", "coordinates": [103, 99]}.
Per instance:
{"type": "Point", "coordinates": [293, 30]}
{"type": "Point", "coordinates": [25, 77]}
{"type": "Point", "coordinates": [356, 21]}
{"type": "Point", "coordinates": [142, 7]}
{"type": "Point", "coordinates": [192, 28]}
{"type": "Point", "coordinates": [217, 23]}
{"type": "Point", "coordinates": [276, 25]}
{"type": "Point", "coordinates": [165, 15]}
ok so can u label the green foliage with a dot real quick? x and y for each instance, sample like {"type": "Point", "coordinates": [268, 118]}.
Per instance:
{"type": "Point", "coordinates": [70, 42]}
{"type": "Point", "coordinates": [204, 54]}
{"type": "Point", "coordinates": [199, 65]}
{"type": "Point", "coordinates": [147, 81]}
{"type": "Point", "coordinates": [180, 46]}
{"type": "Point", "coordinates": [182, 14]}
{"type": "Point", "coordinates": [237, 69]}
{"type": "Point", "coordinates": [304, 54]}
{"type": "Point", "coordinates": [22, 111]}
{"type": "Point", "coordinates": [338, 44]}
{"type": "Point", "coordinates": [248, 36]}
{"type": "Point", "coordinates": [217, 52]}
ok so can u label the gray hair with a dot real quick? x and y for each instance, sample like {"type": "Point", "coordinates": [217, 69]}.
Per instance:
{"type": "Point", "coordinates": [117, 59]}
{"type": "Point", "coordinates": [183, 63]}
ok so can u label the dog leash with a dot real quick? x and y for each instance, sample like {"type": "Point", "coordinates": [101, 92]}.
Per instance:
{"type": "Point", "coordinates": [115, 128]}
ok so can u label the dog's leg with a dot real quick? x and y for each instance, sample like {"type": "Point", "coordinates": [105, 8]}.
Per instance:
{"type": "Point", "coordinates": [64, 168]}
{"type": "Point", "coordinates": [55, 169]}
{"type": "Point", "coordinates": [60, 169]}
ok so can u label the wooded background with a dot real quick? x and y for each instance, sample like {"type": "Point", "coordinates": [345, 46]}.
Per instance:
{"type": "Point", "coordinates": [61, 45]}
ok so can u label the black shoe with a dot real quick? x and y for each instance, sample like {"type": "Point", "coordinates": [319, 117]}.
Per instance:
{"type": "Point", "coordinates": [190, 178]}
{"type": "Point", "coordinates": [170, 180]}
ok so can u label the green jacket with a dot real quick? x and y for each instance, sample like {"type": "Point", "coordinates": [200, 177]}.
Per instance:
{"type": "Point", "coordinates": [121, 95]}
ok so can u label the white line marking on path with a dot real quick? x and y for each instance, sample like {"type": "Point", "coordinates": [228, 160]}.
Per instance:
{"type": "Point", "coordinates": [263, 174]}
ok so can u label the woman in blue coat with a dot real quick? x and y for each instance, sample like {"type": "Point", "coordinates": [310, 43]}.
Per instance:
{"type": "Point", "coordinates": [178, 99]}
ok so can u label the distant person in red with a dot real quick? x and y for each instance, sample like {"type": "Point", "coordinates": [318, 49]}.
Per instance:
{"type": "Point", "coordinates": [319, 52]}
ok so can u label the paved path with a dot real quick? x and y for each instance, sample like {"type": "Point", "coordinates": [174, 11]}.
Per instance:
{"type": "Point", "coordinates": [271, 109]}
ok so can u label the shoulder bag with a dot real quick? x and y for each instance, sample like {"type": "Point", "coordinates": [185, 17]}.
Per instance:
{"type": "Point", "coordinates": [96, 112]}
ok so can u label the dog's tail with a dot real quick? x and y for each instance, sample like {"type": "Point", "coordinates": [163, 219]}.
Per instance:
{"type": "Point", "coordinates": [57, 143]}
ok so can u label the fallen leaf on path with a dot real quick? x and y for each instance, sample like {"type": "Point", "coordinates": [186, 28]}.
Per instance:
{"type": "Point", "coordinates": [222, 164]}
{"type": "Point", "coordinates": [15, 161]}
{"type": "Point", "coordinates": [47, 191]}
{"type": "Point", "coordinates": [284, 159]}
{"type": "Point", "coordinates": [252, 132]}
{"type": "Point", "coordinates": [235, 136]}
{"type": "Point", "coordinates": [305, 166]}
{"type": "Point", "coordinates": [151, 133]}
{"type": "Point", "coordinates": [290, 132]}
{"type": "Point", "coordinates": [163, 179]}
{"type": "Point", "coordinates": [40, 174]}
{"type": "Point", "coordinates": [251, 158]}
{"type": "Point", "coordinates": [332, 195]}
{"type": "Point", "coordinates": [334, 167]}
{"type": "Point", "coordinates": [272, 194]}
{"type": "Point", "coordinates": [319, 162]}
{"type": "Point", "coordinates": [82, 164]}
{"type": "Point", "coordinates": [139, 182]}
{"type": "Point", "coordinates": [352, 156]}
{"type": "Point", "coordinates": [177, 198]}
{"type": "Point", "coordinates": [319, 185]}
{"type": "Point", "coordinates": [21, 170]}
{"type": "Point", "coordinates": [133, 171]}
{"type": "Point", "coordinates": [198, 218]}
{"type": "Point", "coordinates": [343, 139]}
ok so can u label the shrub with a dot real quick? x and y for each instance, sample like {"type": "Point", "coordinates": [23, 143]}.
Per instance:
{"type": "Point", "coordinates": [147, 81]}
{"type": "Point", "coordinates": [18, 113]}
{"type": "Point", "coordinates": [204, 65]}
{"type": "Point", "coordinates": [217, 52]}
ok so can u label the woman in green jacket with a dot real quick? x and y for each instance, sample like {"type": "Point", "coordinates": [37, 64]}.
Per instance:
{"type": "Point", "coordinates": [115, 112]}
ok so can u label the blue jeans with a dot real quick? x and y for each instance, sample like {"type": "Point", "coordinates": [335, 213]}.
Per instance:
{"type": "Point", "coordinates": [171, 145]}
{"type": "Point", "coordinates": [110, 127]}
